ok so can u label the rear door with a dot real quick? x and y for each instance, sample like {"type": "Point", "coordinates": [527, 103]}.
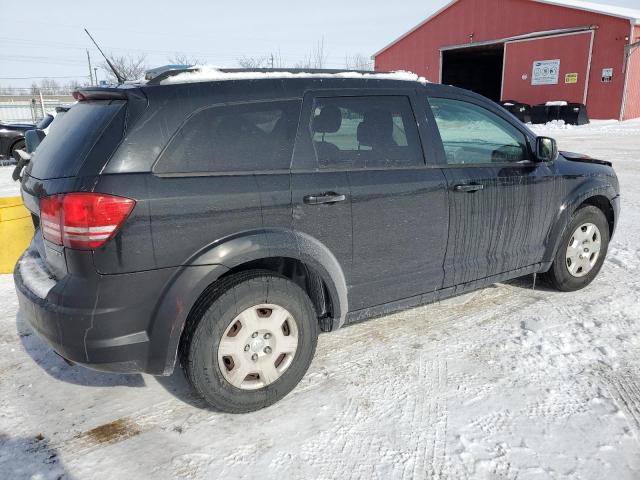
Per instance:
{"type": "Point", "coordinates": [398, 205]}
{"type": "Point", "coordinates": [502, 202]}
{"type": "Point", "coordinates": [321, 198]}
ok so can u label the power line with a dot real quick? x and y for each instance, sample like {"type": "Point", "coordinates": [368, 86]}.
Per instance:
{"type": "Point", "coordinates": [37, 78]}
{"type": "Point", "coordinates": [226, 55]}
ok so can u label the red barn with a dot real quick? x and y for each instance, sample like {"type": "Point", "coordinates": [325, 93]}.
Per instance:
{"type": "Point", "coordinates": [531, 51]}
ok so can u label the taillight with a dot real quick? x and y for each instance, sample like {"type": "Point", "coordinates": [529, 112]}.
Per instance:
{"type": "Point", "coordinates": [83, 220]}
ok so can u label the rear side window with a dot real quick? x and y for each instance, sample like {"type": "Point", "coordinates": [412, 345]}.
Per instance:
{"type": "Point", "coordinates": [365, 132]}
{"type": "Point", "coordinates": [474, 135]}
{"type": "Point", "coordinates": [64, 150]}
{"type": "Point", "coordinates": [234, 138]}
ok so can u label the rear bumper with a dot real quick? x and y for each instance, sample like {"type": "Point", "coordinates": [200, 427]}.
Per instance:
{"type": "Point", "coordinates": [99, 321]}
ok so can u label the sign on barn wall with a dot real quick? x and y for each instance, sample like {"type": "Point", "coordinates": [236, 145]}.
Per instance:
{"type": "Point", "coordinates": [570, 78]}
{"type": "Point", "coordinates": [545, 72]}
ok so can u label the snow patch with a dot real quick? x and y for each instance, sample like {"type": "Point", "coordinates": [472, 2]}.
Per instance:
{"type": "Point", "coordinates": [613, 10]}
{"type": "Point", "coordinates": [8, 188]}
{"type": "Point", "coordinates": [205, 73]}
{"type": "Point", "coordinates": [35, 276]}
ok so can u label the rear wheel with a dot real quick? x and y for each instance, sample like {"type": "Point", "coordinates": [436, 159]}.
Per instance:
{"type": "Point", "coordinates": [252, 344]}
{"type": "Point", "coordinates": [582, 250]}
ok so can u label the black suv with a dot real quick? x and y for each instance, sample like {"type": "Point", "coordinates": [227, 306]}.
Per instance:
{"type": "Point", "coordinates": [225, 221]}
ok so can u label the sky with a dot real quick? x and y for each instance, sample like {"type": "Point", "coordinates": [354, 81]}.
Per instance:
{"type": "Point", "coordinates": [49, 41]}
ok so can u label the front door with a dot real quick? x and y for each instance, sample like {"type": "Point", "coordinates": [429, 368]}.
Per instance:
{"type": "Point", "coordinates": [501, 200]}
{"type": "Point", "coordinates": [398, 205]}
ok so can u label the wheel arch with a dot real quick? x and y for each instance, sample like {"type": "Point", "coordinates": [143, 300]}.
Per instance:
{"type": "Point", "coordinates": [295, 255]}
{"type": "Point", "coordinates": [606, 206]}
{"type": "Point", "coordinates": [593, 192]}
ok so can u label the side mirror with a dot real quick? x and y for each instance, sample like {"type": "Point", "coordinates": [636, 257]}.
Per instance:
{"type": "Point", "coordinates": [32, 139]}
{"type": "Point", "coordinates": [546, 149]}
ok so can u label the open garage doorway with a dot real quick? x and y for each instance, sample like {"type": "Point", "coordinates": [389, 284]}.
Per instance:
{"type": "Point", "coordinates": [475, 68]}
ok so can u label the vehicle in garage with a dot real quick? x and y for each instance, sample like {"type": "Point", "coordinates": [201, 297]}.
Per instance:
{"type": "Point", "coordinates": [224, 218]}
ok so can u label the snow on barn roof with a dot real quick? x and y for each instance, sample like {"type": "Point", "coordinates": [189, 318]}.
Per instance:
{"type": "Point", "coordinates": [206, 73]}
{"type": "Point", "coordinates": [610, 10]}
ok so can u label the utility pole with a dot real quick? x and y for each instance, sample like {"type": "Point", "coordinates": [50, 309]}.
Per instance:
{"type": "Point", "coordinates": [90, 72]}
{"type": "Point", "coordinates": [41, 103]}
{"type": "Point", "coordinates": [272, 60]}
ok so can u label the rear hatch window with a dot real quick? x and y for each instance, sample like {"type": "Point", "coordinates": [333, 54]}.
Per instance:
{"type": "Point", "coordinates": [63, 152]}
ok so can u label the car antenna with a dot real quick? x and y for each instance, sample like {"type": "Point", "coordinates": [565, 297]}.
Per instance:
{"type": "Point", "coordinates": [120, 78]}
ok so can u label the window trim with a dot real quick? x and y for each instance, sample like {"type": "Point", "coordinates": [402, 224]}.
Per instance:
{"type": "Point", "coordinates": [229, 172]}
{"type": "Point", "coordinates": [304, 155]}
{"type": "Point", "coordinates": [489, 106]}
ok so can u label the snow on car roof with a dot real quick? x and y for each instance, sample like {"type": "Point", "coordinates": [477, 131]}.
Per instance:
{"type": "Point", "coordinates": [206, 73]}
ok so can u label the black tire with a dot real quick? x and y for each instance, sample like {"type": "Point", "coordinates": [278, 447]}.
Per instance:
{"type": "Point", "coordinates": [19, 145]}
{"type": "Point", "coordinates": [234, 294]}
{"type": "Point", "coordinates": [558, 275]}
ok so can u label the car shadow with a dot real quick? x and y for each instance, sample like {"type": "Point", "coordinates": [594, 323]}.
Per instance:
{"type": "Point", "coordinates": [55, 366]}
{"type": "Point", "coordinates": [24, 457]}
{"type": "Point", "coordinates": [178, 386]}
{"type": "Point", "coordinates": [529, 283]}
{"type": "Point", "coordinates": [42, 354]}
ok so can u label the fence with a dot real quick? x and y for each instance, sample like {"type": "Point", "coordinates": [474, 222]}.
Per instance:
{"type": "Point", "coordinates": [30, 108]}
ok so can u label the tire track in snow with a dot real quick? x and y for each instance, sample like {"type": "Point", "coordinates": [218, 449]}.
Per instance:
{"type": "Point", "coordinates": [429, 445]}
{"type": "Point", "coordinates": [624, 388]}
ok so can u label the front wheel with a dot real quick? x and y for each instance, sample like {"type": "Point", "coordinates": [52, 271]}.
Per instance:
{"type": "Point", "coordinates": [253, 343]}
{"type": "Point", "coordinates": [582, 250]}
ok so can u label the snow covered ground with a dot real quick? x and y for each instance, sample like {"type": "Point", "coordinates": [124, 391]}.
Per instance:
{"type": "Point", "coordinates": [503, 383]}
{"type": "Point", "coordinates": [8, 188]}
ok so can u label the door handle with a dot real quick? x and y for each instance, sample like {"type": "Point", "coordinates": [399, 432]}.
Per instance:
{"type": "Point", "coordinates": [328, 197]}
{"type": "Point", "coordinates": [468, 187]}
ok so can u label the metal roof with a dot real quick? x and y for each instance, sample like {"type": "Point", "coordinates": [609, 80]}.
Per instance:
{"type": "Point", "coordinates": [631, 14]}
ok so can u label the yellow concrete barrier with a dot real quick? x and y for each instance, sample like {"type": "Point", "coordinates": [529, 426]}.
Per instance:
{"type": "Point", "coordinates": [16, 230]}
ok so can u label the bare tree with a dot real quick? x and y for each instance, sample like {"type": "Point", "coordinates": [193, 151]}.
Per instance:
{"type": "Point", "coordinates": [316, 57]}
{"type": "Point", "coordinates": [274, 60]}
{"type": "Point", "coordinates": [184, 59]}
{"type": "Point", "coordinates": [49, 86]}
{"type": "Point", "coordinates": [358, 62]}
{"type": "Point", "coordinates": [71, 86]}
{"type": "Point", "coordinates": [7, 90]}
{"type": "Point", "coordinates": [130, 67]}
{"type": "Point", "coordinates": [271, 60]}
{"type": "Point", "coordinates": [252, 62]}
